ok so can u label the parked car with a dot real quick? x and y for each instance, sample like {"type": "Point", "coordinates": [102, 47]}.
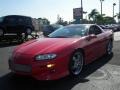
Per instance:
{"type": "Point", "coordinates": [113, 27]}
{"type": "Point", "coordinates": [50, 28]}
{"type": "Point", "coordinates": [16, 24]}
{"type": "Point", "coordinates": [65, 51]}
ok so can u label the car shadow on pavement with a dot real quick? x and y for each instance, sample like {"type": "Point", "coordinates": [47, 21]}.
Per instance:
{"type": "Point", "coordinates": [10, 82]}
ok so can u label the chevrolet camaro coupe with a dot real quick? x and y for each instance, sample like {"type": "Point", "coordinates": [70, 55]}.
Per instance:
{"type": "Point", "coordinates": [64, 52]}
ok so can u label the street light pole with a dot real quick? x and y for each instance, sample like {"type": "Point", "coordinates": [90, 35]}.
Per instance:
{"type": "Point", "coordinates": [101, 2]}
{"type": "Point", "coordinates": [113, 9]}
{"type": "Point", "coordinates": [119, 6]}
{"type": "Point", "coordinates": [81, 10]}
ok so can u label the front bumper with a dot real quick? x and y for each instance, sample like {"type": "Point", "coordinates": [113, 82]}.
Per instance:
{"type": "Point", "coordinates": [39, 70]}
{"type": "Point", "coordinates": [19, 67]}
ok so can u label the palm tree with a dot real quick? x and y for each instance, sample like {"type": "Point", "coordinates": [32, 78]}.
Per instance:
{"type": "Point", "coordinates": [100, 19]}
{"type": "Point", "coordinates": [93, 14]}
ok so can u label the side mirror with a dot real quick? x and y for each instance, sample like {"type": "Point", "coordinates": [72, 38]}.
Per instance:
{"type": "Point", "coordinates": [91, 36]}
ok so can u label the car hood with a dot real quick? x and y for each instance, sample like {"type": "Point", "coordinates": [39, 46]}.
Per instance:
{"type": "Point", "coordinates": [45, 45]}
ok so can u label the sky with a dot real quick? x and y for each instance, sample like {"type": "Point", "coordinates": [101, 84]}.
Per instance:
{"type": "Point", "coordinates": [51, 8]}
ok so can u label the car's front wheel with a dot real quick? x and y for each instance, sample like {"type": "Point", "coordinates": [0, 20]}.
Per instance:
{"type": "Point", "coordinates": [76, 63]}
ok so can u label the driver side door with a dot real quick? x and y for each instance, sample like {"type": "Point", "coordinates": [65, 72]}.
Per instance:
{"type": "Point", "coordinates": [91, 48]}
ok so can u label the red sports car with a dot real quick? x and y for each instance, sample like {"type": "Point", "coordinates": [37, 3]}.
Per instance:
{"type": "Point", "coordinates": [63, 52]}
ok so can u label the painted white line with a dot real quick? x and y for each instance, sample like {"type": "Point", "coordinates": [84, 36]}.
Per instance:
{"type": "Point", "coordinates": [117, 36]}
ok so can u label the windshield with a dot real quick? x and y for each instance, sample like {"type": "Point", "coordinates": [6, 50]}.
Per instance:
{"type": "Point", "coordinates": [1, 19]}
{"type": "Point", "coordinates": [69, 31]}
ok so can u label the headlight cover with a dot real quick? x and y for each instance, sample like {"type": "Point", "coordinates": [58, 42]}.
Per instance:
{"type": "Point", "coordinates": [45, 57]}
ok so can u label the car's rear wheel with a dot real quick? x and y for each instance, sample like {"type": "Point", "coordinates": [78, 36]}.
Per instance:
{"type": "Point", "coordinates": [20, 38]}
{"type": "Point", "coordinates": [76, 63]}
{"type": "Point", "coordinates": [28, 31]}
{"type": "Point", "coordinates": [109, 48]}
{"type": "Point", "coordinates": [1, 32]}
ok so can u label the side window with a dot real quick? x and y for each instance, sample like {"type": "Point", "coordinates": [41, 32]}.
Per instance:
{"type": "Point", "coordinates": [10, 20]}
{"type": "Point", "coordinates": [27, 20]}
{"type": "Point", "coordinates": [1, 19]}
{"type": "Point", "coordinates": [97, 30]}
{"type": "Point", "coordinates": [20, 20]}
{"type": "Point", "coordinates": [91, 30]}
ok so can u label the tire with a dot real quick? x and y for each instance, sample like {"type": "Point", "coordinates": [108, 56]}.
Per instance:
{"type": "Point", "coordinates": [28, 31]}
{"type": "Point", "coordinates": [1, 32]}
{"type": "Point", "coordinates": [20, 38]}
{"type": "Point", "coordinates": [76, 63]}
{"type": "Point", "coordinates": [109, 48]}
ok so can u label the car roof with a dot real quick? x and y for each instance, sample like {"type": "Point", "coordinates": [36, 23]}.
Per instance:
{"type": "Point", "coordinates": [17, 16]}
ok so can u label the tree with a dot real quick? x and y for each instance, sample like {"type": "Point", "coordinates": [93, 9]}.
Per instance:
{"type": "Point", "coordinates": [109, 20]}
{"type": "Point", "coordinates": [93, 15]}
{"type": "Point", "coordinates": [100, 19]}
{"type": "Point", "coordinates": [61, 21]}
{"type": "Point", "coordinates": [43, 21]}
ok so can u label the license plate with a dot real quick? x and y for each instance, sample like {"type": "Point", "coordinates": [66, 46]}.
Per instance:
{"type": "Point", "coordinates": [20, 67]}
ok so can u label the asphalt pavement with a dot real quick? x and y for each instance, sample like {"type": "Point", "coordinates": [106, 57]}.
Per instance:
{"type": "Point", "coordinates": [103, 74]}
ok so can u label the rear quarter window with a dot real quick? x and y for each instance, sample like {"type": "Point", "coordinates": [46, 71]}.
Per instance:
{"type": "Point", "coordinates": [27, 20]}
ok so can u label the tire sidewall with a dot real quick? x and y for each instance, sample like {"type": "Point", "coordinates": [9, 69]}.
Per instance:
{"type": "Point", "coordinates": [70, 71]}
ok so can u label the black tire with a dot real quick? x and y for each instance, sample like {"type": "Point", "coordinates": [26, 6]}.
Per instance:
{"type": "Point", "coordinates": [36, 36]}
{"type": "Point", "coordinates": [109, 48]}
{"type": "Point", "coordinates": [76, 63]}
{"type": "Point", "coordinates": [20, 38]}
{"type": "Point", "coordinates": [0, 39]}
{"type": "Point", "coordinates": [1, 32]}
{"type": "Point", "coordinates": [28, 31]}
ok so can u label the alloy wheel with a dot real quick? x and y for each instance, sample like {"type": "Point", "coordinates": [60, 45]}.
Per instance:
{"type": "Point", "coordinates": [77, 63]}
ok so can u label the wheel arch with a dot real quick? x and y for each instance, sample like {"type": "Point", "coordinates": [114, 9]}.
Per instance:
{"type": "Point", "coordinates": [31, 27]}
{"type": "Point", "coordinates": [111, 39]}
{"type": "Point", "coordinates": [82, 50]}
{"type": "Point", "coordinates": [77, 50]}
